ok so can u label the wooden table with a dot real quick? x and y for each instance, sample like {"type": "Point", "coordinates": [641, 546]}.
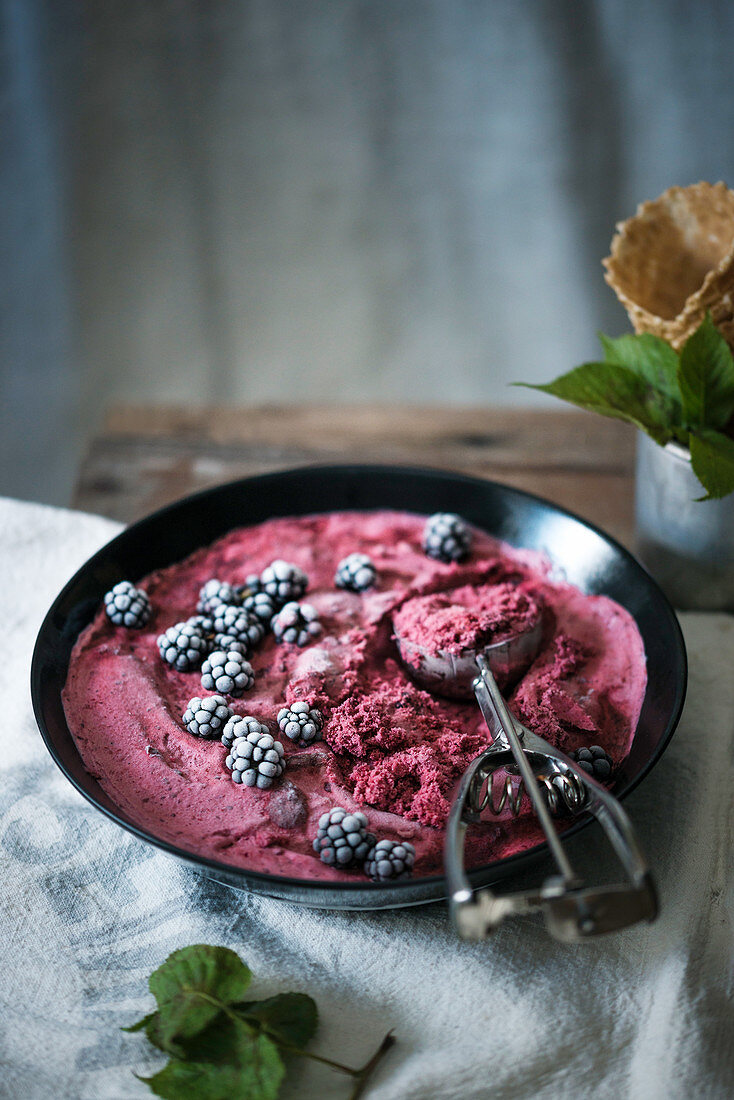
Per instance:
{"type": "Point", "coordinates": [148, 456]}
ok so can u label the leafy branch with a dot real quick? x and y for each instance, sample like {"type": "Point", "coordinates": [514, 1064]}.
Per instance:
{"type": "Point", "coordinates": [686, 397]}
{"type": "Point", "coordinates": [222, 1046]}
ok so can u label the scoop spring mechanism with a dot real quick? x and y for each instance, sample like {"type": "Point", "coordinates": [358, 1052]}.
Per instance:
{"type": "Point", "coordinates": [562, 793]}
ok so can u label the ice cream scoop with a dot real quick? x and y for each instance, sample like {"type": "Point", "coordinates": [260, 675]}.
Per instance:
{"type": "Point", "coordinates": [573, 911]}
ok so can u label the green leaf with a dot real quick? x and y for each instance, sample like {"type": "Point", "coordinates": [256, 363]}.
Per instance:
{"type": "Point", "coordinates": [141, 1024]}
{"type": "Point", "coordinates": [191, 987]}
{"type": "Point", "coordinates": [223, 1047]}
{"type": "Point", "coordinates": [289, 1017]}
{"type": "Point", "coordinates": [614, 390]}
{"type": "Point", "coordinates": [236, 1063]}
{"type": "Point", "coordinates": [157, 1035]}
{"type": "Point", "coordinates": [649, 357]}
{"type": "Point", "coordinates": [712, 458]}
{"type": "Point", "coordinates": [706, 378]}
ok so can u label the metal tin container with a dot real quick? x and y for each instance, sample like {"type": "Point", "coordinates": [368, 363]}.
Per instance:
{"type": "Point", "coordinates": [686, 543]}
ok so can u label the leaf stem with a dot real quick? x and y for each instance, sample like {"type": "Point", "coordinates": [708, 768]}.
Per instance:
{"type": "Point", "coordinates": [361, 1075]}
{"type": "Point", "coordinates": [367, 1069]}
{"type": "Point", "coordinates": [315, 1057]}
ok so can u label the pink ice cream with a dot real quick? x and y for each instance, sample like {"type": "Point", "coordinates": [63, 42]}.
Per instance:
{"type": "Point", "coordinates": [469, 617]}
{"type": "Point", "coordinates": [389, 748]}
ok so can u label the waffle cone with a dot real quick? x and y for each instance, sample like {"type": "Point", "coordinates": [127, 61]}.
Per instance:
{"type": "Point", "coordinates": [673, 262]}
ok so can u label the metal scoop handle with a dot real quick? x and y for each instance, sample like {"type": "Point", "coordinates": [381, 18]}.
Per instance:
{"type": "Point", "coordinates": [572, 910]}
{"type": "Point", "coordinates": [492, 704]}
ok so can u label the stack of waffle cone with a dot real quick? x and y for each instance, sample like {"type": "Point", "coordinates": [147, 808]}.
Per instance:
{"type": "Point", "coordinates": [674, 261]}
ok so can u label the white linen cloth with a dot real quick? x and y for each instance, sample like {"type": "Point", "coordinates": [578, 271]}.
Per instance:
{"type": "Point", "coordinates": [87, 911]}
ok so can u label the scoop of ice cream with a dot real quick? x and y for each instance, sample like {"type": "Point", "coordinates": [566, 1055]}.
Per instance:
{"type": "Point", "coordinates": [471, 617]}
{"type": "Point", "coordinates": [439, 636]}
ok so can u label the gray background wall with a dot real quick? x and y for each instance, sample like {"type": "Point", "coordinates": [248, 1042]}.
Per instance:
{"type": "Point", "coordinates": [327, 199]}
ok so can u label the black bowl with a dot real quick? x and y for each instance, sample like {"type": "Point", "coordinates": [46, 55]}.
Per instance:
{"type": "Point", "coordinates": [588, 558]}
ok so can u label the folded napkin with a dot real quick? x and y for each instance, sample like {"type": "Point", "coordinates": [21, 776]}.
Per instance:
{"type": "Point", "coordinates": [87, 911]}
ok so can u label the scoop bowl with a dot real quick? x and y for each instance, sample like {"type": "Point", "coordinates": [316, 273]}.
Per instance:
{"type": "Point", "coordinates": [452, 674]}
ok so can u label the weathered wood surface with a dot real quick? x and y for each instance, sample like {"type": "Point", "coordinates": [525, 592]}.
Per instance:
{"type": "Point", "coordinates": [147, 457]}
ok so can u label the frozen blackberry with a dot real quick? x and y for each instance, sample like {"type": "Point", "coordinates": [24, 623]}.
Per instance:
{"type": "Point", "coordinates": [214, 594]}
{"type": "Point", "coordinates": [297, 623]}
{"type": "Point", "coordinates": [446, 537]}
{"type": "Point", "coordinates": [236, 623]}
{"type": "Point", "coordinates": [228, 643]}
{"type": "Point", "coordinates": [283, 581]}
{"type": "Point", "coordinates": [594, 761]}
{"type": "Point", "coordinates": [127, 605]}
{"type": "Point", "coordinates": [204, 623]}
{"type": "Point", "coordinates": [390, 859]}
{"type": "Point", "coordinates": [207, 717]}
{"type": "Point", "coordinates": [262, 606]}
{"type": "Point", "coordinates": [356, 572]}
{"type": "Point", "coordinates": [301, 722]}
{"type": "Point", "coordinates": [256, 760]}
{"type": "Point", "coordinates": [184, 646]}
{"type": "Point", "coordinates": [231, 641]}
{"type": "Point", "coordinates": [217, 639]}
{"type": "Point", "coordinates": [227, 673]}
{"type": "Point", "coordinates": [342, 838]}
{"type": "Point", "coordinates": [239, 726]}
{"type": "Point", "coordinates": [252, 585]}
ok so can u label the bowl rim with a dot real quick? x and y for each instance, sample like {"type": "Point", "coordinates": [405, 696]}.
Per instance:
{"type": "Point", "coordinates": [267, 882]}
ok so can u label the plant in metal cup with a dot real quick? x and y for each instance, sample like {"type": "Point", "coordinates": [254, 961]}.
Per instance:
{"type": "Point", "coordinates": [684, 397]}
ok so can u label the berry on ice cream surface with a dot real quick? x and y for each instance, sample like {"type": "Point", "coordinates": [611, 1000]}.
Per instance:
{"type": "Point", "coordinates": [127, 605]}
{"type": "Point", "coordinates": [206, 717]}
{"type": "Point", "coordinates": [386, 748]}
